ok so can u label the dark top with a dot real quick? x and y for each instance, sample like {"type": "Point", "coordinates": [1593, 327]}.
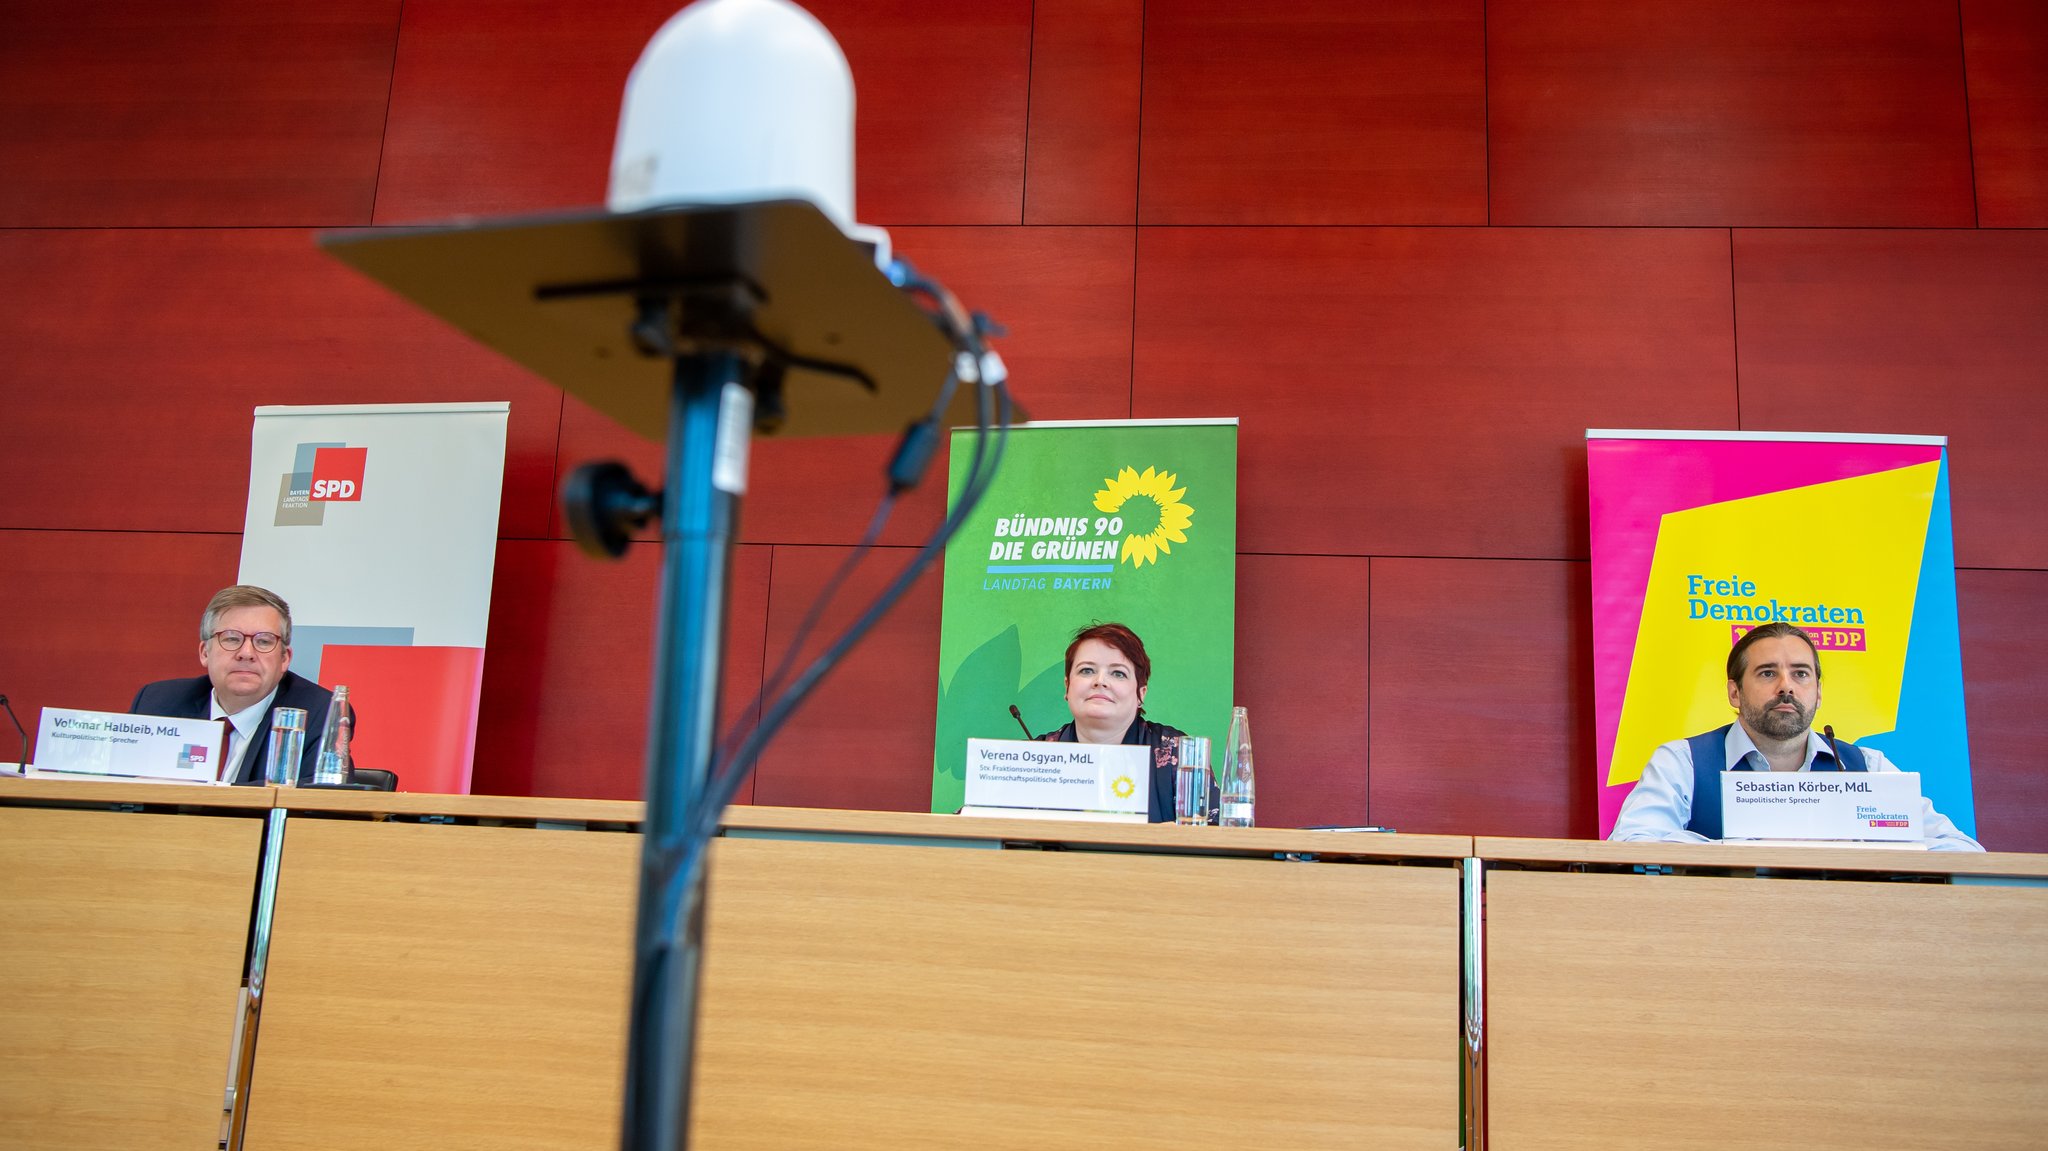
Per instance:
{"type": "Point", "coordinates": [1165, 758]}
{"type": "Point", "coordinates": [193, 699]}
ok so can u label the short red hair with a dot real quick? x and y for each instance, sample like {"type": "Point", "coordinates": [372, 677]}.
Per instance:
{"type": "Point", "coordinates": [1122, 639]}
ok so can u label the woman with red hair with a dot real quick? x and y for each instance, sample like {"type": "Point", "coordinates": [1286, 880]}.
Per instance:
{"type": "Point", "coordinates": [1107, 675]}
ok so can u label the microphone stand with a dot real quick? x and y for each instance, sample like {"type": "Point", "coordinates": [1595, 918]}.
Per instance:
{"type": "Point", "coordinates": [17, 727]}
{"type": "Point", "coordinates": [727, 301]}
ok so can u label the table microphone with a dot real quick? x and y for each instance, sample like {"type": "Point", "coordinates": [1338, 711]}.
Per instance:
{"type": "Point", "coordinates": [1828, 729]}
{"type": "Point", "coordinates": [24, 732]}
{"type": "Point", "coordinates": [1014, 714]}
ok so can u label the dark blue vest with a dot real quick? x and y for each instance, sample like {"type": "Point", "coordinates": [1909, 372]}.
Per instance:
{"type": "Point", "coordinates": [1710, 759]}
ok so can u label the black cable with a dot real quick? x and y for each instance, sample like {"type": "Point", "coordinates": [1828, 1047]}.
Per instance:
{"type": "Point", "coordinates": [728, 777]}
{"type": "Point", "coordinates": [773, 683]}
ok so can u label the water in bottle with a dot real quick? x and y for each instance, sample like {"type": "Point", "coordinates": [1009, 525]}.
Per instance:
{"type": "Point", "coordinates": [1237, 772]}
{"type": "Point", "coordinates": [331, 765]}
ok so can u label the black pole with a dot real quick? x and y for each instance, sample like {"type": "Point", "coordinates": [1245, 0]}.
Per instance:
{"type": "Point", "coordinates": [710, 428]}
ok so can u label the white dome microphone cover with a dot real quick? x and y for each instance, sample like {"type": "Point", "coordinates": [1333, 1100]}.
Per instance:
{"type": "Point", "coordinates": [735, 101]}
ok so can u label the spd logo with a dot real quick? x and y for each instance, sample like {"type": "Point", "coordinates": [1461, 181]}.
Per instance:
{"type": "Point", "coordinates": [338, 474]}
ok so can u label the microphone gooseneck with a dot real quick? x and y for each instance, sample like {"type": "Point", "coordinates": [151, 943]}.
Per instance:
{"type": "Point", "coordinates": [1828, 730]}
{"type": "Point", "coordinates": [17, 726]}
{"type": "Point", "coordinates": [1019, 717]}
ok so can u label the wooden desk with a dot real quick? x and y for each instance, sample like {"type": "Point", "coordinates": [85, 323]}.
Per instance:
{"type": "Point", "coordinates": [1729, 1011]}
{"type": "Point", "coordinates": [433, 986]}
{"type": "Point", "coordinates": [120, 962]}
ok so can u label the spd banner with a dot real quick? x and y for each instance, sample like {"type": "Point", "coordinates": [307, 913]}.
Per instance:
{"type": "Point", "coordinates": [1126, 521]}
{"type": "Point", "coordinates": [1699, 536]}
{"type": "Point", "coordinates": [378, 524]}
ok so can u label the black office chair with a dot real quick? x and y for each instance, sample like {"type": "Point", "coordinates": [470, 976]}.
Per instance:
{"type": "Point", "coordinates": [371, 779]}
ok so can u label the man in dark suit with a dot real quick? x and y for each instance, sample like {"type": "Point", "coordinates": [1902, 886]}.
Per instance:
{"type": "Point", "coordinates": [245, 645]}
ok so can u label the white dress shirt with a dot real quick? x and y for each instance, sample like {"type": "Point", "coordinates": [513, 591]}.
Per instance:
{"type": "Point", "coordinates": [1661, 804]}
{"type": "Point", "coordinates": [243, 726]}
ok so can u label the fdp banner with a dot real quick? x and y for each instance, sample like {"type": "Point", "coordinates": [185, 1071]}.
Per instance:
{"type": "Point", "coordinates": [1699, 536]}
{"type": "Point", "coordinates": [379, 525]}
{"type": "Point", "coordinates": [1130, 521]}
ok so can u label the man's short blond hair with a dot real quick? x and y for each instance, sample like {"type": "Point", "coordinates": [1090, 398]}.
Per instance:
{"type": "Point", "coordinates": [228, 599]}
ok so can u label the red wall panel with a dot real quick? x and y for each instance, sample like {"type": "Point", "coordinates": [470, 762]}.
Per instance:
{"type": "Point", "coordinates": [864, 739]}
{"type": "Point", "coordinates": [2006, 45]}
{"type": "Point", "coordinates": [2004, 616]}
{"type": "Point", "coordinates": [1065, 296]}
{"type": "Point", "coordinates": [512, 105]}
{"type": "Point", "coordinates": [136, 359]}
{"type": "Point", "coordinates": [1081, 163]}
{"type": "Point", "coordinates": [1314, 112]}
{"type": "Point", "coordinates": [1937, 333]}
{"type": "Point", "coordinates": [1683, 112]}
{"type": "Point", "coordinates": [138, 113]}
{"type": "Point", "coordinates": [1302, 655]}
{"type": "Point", "coordinates": [1482, 710]}
{"type": "Point", "coordinates": [568, 670]}
{"type": "Point", "coordinates": [95, 615]}
{"type": "Point", "coordinates": [1427, 391]}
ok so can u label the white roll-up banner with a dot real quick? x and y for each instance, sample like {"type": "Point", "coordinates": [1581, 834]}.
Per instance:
{"type": "Point", "coordinates": [378, 524]}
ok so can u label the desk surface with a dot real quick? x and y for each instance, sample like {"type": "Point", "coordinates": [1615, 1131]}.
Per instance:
{"type": "Point", "coordinates": [16, 790]}
{"type": "Point", "coordinates": [1739, 856]}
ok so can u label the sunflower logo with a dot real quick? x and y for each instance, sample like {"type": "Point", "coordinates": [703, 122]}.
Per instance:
{"type": "Point", "coordinates": [1123, 787]}
{"type": "Point", "coordinates": [1151, 507]}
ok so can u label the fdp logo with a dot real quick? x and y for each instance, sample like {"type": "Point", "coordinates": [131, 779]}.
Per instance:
{"type": "Point", "coordinates": [338, 474]}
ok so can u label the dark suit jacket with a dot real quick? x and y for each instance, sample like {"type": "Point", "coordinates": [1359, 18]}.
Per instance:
{"type": "Point", "coordinates": [193, 699]}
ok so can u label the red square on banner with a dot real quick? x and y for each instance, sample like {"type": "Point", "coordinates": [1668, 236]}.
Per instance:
{"type": "Point", "coordinates": [338, 474]}
{"type": "Point", "coordinates": [418, 707]}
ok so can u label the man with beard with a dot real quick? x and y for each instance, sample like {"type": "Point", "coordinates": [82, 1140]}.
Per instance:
{"type": "Point", "coordinates": [1774, 687]}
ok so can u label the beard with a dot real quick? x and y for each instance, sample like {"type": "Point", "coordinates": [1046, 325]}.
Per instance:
{"type": "Point", "coordinates": [1776, 724]}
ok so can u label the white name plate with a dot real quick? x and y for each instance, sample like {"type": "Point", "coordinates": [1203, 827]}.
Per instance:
{"type": "Point", "coordinates": [1020, 773]}
{"type": "Point", "coordinates": [1871, 805]}
{"type": "Point", "coordinates": [111, 745]}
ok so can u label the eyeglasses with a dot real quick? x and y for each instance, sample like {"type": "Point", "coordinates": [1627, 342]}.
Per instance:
{"type": "Point", "coordinates": [265, 641]}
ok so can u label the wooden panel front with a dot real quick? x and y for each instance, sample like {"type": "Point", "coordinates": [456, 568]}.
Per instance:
{"type": "Point", "coordinates": [1683, 1012]}
{"type": "Point", "coordinates": [440, 986]}
{"type": "Point", "coordinates": [122, 950]}
{"type": "Point", "coordinates": [920, 997]}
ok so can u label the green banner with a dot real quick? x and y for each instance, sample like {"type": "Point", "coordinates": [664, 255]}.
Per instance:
{"type": "Point", "coordinates": [1127, 521]}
